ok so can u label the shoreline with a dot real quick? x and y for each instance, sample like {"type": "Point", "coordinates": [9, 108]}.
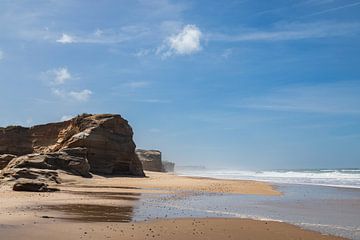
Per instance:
{"type": "Point", "coordinates": [273, 177]}
{"type": "Point", "coordinates": [90, 203]}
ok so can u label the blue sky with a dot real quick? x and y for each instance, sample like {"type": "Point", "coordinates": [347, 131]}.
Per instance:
{"type": "Point", "coordinates": [245, 84]}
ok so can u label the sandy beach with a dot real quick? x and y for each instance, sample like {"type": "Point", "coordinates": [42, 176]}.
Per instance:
{"type": "Point", "coordinates": [103, 208]}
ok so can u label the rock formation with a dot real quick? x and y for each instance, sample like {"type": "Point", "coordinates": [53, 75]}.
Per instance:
{"type": "Point", "coordinates": [5, 159]}
{"type": "Point", "coordinates": [32, 186]}
{"type": "Point", "coordinates": [151, 161]}
{"type": "Point", "coordinates": [100, 144]}
{"type": "Point", "coordinates": [71, 160]}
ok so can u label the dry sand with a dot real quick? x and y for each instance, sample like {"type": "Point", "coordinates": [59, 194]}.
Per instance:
{"type": "Point", "coordinates": [79, 209]}
{"type": "Point", "coordinates": [170, 182]}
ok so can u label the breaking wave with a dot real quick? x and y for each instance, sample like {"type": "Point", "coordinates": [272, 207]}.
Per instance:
{"type": "Point", "coordinates": [347, 178]}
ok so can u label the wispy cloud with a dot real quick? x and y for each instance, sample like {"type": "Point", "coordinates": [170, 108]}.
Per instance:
{"type": "Point", "coordinates": [143, 52]}
{"type": "Point", "coordinates": [57, 76]}
{"type": "Point", "coordinates": [104, 36]}
{"type": "Point", "coordinates": [291, 31]}
{"type": "Point", "coordinates": [185, 42]}
{"type": "Point", "coordinates": [333, 9]}
{"type": "Point", "coordinates": [65, 38]}
{"type": "Point", "coordinates": [1, 55]}
{"type": "Point", "coordinates": [80, 96]}
{"type": "Point", "coordinates": [47, 21]}
{"type": "Point", "coordinates": [335, 98]}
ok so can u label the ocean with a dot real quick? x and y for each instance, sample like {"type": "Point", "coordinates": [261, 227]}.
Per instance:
{"type": "Point", "coordinates": [346, 178]}
{"type": "Point", "coordinates": [324, 200]}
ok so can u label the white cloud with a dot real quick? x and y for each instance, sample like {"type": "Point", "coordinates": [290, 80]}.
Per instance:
{"type": "Point", "coordinates": [57, 76]}
{"type": "Point", "coordinates": [105, 36]}
{"type": "Point", "coordinates": [61, 75]}
{"type": "Point", "coordinates": [65, 38]}
{"type": "Point", "coordinates": [186, 42]}
{"type": "Point", "coordinates": [81, 96]}
{"type": "Point", "coordinates": [1, 55]}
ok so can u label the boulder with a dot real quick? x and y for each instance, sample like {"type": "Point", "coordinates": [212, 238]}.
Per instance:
{"type": "Point", "coordinates": [70, 160]}
{"type": "Point", "coordinates": [32, 186]}
{"type": "Point", "coordinates": [150, 159]}
{"type": "Point", "coordinates": [33, 174]}
{"type": "Point", "coordinates": [5, 159]}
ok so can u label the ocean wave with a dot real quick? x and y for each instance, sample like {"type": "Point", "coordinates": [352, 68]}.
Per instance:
{"type": "Point", "coordinates": [346, 178]}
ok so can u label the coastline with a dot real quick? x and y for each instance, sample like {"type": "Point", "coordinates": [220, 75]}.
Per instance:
{"type": "Point", "coordinates": [113, 205]}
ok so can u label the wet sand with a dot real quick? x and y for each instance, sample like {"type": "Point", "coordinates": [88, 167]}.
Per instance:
{"type": "Point", "coordinates": [176, 229]}
{"type": "Point", "coordinates": [103, 208]}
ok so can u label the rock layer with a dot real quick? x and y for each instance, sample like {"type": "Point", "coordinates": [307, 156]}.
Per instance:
{"type": "Point", "coordinates": [86, 144]}
{"type": "Point", "coordinates": [107, 138]}
{"type": "Point", "coordinates": [151, 160]}
{"type": "Point", "coordinates": [5, 159]}
{"type": "Point", "coordinates": [71, 160]}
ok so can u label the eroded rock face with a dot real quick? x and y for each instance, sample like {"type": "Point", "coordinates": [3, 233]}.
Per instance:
{"type": "Point", "coordinates": [107, 139]}
{"type": "Point", "coordinates": [5, 159]}
{"type": "Point", "coordinates": [71, 160]}
{"type": "Point", "coordinates": [100, 144]}
{"type": "Point", "coordinates": [151, 160]}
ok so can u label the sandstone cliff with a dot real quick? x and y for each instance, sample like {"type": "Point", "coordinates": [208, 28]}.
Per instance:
{"type": "Point", "coordinates": [100, 144]}
{"type": "Point", "coordinates": [150, 159]}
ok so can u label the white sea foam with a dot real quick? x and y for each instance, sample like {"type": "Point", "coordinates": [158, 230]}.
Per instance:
{"type": "Point", "coordinates": [346, 178]}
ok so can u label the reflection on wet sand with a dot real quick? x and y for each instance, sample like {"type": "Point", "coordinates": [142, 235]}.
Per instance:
{"type": "Point", "coordinates": [108, 195]}
{"type": "Point", "coordinates": [93, 213]}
